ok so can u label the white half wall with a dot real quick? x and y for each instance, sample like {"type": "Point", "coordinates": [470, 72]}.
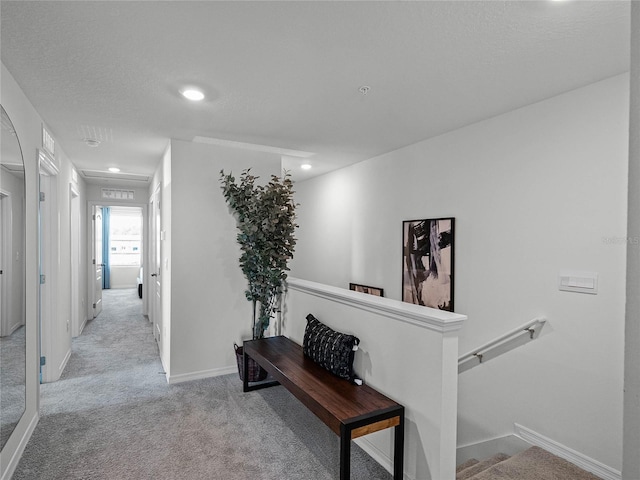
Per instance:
{"type": "Point", "coordinates": [406, 352]}
{"type": "Point", "coordinates": [124, 276]}
{"type": "Point", "coordinates": [534, 191]}
{"type": "Point", "coordinates": [209, 311]}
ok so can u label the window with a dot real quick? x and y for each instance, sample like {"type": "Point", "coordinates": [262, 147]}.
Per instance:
{"type": "Point", "coordinates": [125, 236]}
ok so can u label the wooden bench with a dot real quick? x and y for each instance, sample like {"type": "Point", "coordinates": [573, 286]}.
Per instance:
{"type": "Point", "coordinates": [351, 411]}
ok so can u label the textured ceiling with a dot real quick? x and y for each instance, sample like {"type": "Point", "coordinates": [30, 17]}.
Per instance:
{"type": "Point", "coordinates": [287, 74]}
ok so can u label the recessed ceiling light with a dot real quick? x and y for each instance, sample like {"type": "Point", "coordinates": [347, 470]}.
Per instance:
{"type": "Point", "coordinates": [364, 89]}
{"type": "Point", "coordinates": [305, 166]}
{"type": "Point", "coordinates": [192, 94]}
{"type": "Point", "coordinates": [114, 169]}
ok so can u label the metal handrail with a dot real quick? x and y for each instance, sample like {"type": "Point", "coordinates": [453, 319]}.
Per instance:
{"type": "Point", "coordinates": [514, 338]}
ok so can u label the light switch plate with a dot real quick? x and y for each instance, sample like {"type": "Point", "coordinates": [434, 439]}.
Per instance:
{"type": "Point", "coordinates": [579, 282]}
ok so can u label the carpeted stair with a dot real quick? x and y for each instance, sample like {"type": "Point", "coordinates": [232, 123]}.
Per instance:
{"type": "Point", "coordinates": [532, 464]}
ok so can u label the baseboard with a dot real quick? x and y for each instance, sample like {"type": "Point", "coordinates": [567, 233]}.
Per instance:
{"type": "Point", "coordinates": [64, 362]}
{"type": "Point", "coordinates": [215, 372]}
{"type": "Point", "coordinates": [507, 444]}
{"type": "Point", "coordinates": [84, 324]}
{"type": "Point", "coordinates": [586, 463]}
{"type": "Point", "coordinates": [379, 456]}
{"type": "Point", "coordinates": [17, 455]}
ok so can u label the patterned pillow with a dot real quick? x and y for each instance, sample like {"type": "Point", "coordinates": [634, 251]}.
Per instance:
{"type": "Point", "coordinates": [330, 349]}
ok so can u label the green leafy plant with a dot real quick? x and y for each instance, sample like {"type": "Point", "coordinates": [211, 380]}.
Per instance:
{"type": "Point", "coordinates": [265, 217]}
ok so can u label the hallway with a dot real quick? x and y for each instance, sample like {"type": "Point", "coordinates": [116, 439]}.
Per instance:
{"type": "Point", "coordinates": [113, 416]}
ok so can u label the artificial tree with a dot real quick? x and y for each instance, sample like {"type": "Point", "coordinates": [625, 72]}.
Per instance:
{"type": "Point", "coordinates": [265, 217]}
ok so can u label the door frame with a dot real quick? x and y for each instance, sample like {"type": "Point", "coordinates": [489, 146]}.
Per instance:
{"type": "Point", "coordinates": [6, 264]}
{"type": "Point", "coordinates": [97, 278]}
{"type": "Point", "coordinates": [91, 247]}
{"type": "Point", "coordinates": [47, 256]}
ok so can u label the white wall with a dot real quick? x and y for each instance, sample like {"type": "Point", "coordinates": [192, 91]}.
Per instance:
{"type": "Point", "coordinates": [209, 311]}
{"type": "Point", "coordinates": [28, 124]}
{"type": "Point", "coordinates": [61, 329]}
{"type": "Point", "coordinates": [534, 191]}
{"type": "Point", "coordinates": [631, 464]}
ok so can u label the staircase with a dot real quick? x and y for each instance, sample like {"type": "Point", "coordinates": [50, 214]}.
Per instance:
{"type": "Point", "coordinates": [532, 464]}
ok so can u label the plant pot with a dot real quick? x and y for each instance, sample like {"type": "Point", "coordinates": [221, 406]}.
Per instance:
{"type": "Point", "coordinates": [256, 372]}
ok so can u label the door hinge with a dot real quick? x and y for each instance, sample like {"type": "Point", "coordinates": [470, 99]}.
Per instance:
{"type": "Point", "coordinates": [94, 305]}
{"type": "Point", "coordinates": [94, 261]}
{"type": "Point", "coordinates": [43, 279]}
{"type": "Point", "coordinates": [43, 361]}
{"type": "Point", "coordinates": [93, 217]}
{"type": "Point", "coordinates": [42, 196]}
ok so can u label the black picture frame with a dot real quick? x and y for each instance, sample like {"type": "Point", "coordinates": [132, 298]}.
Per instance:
{"type": "Point", "coordinates": [378, 292]}
{"type": "Point", "coordinates": [428, 248]}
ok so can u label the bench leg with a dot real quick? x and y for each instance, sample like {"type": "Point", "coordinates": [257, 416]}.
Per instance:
{"type": "Point", "coordinates": [398, 450]}
{"type": "Point", "coordinates": [245, 371]}
{"type": "Point", "coordinates": [345, 452]}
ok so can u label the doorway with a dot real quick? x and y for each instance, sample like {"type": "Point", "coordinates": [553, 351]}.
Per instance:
{"type": "Point", "coordinates": [117, 250]}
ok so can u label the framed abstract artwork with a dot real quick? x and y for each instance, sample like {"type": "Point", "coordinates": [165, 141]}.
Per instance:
{"type": "Point", "coordinates": [378, 292]}
{"type": "Point", "coordinates": [427, 262]}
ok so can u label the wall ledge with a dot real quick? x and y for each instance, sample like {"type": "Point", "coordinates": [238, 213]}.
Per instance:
{"type": "Point", "coordinates": [425, 317]}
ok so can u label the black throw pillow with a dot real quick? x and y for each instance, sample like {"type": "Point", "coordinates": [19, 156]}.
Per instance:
{"type": "Point", "coordinates": [330, 349]}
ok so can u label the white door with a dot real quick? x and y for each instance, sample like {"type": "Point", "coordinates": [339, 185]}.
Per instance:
{"type": "Point", "coordinates": [74, 250]}
{"type": "Point", "coordinates": [53, 330]}
{"type": "Point", "coordinates": [97, 260]}
{"type": "Point", "coordinates": [155, 293]}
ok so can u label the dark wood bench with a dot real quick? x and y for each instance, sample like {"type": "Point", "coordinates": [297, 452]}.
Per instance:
{"type": "Point", "coordinates": [351, 411]}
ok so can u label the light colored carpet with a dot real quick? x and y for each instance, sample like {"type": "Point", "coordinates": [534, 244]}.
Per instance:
{"type": "Point", "coordinates": [12, 383]}
{"type": "Point", "coordinates": [532, 464]}
{"type": "Point", "coordinates": [472, 470]}
{"type": "Point", "coordinates": [113, 416]}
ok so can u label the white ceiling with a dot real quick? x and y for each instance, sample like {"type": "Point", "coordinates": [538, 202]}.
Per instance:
{"type": "Point", "coordinates": [286, 74]}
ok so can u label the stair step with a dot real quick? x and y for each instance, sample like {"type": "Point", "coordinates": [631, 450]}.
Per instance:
{"type": "Point", "coordinates": [473, 470]}
{"type": "Point", "coordinates": [534, 464]}
{"type": "Point", "coordinates": [469, 463]}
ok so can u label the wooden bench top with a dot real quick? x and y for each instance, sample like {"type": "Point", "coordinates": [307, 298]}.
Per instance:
{"type": "Point", "coordinates": [334, 400]}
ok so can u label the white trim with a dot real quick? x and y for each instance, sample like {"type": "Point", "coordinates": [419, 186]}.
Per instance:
{"type": "Point", "coordinates": [17, 455]}
{"type": "Point", "coordinates": [65, 360]}
{"type": "Point", "coordinates": [586, 463]}
{"type": "Point", "coordinates": [425, 317]}
{"type": "Point", "coordinates": [215, 372]}
{"type": "Point", "coordinates": [47, 164]}
{"type": "Point", "coordinates": [82, 325]}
